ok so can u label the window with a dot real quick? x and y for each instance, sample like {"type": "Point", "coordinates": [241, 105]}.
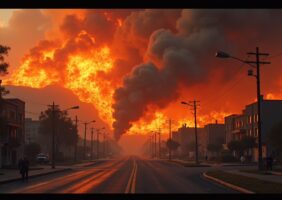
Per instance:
{"type": "Point", "coordinates": [256, 132]}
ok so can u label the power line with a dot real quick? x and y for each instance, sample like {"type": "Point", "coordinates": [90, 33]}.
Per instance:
{"type": "Point", "coordinates": [225, 90]}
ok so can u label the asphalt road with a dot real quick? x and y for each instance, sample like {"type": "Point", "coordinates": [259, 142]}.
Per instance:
{"type": "Point", "coordinates": [126, 175]}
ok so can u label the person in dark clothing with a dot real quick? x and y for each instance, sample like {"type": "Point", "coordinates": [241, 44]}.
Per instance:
{"type": "Point", "coordinates": [26, 168]}
{"type": "Point", "coordinates": [21, 168]}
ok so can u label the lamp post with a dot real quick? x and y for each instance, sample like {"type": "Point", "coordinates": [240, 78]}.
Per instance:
{"type": "Point", "coordinates": [257, 62]}
{"type": "Point", "coordinates": [53, 131]}
{"type": "Point", "coordinates": [84, 143]}
{"type": "Point", "coordinates": [104, 144]}
{"type": "Point", "coordinates": [98, 133]}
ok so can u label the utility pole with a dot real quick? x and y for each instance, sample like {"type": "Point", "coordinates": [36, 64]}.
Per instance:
{"type": "Point", "coordinates": [258, 62]}
{"type": "Point", "coordinates": [156, 144]}
{"type": "Point", "coordinates": [75, 147]}
{"type": "Point", "coordinates": [104, 145]}
{"type": "Point", "coordinates": [159, 142]}
{"type": "Point", "coordinates": [53, 135]}
{"type": "Point", "coordinates": [98, 143]}
{"type": "Point", "coordinates": [196, 134]}
{"type": "Point", "coordinates": [194, 105]}
{"type": "Point", "coordinates": [84, 143]}
{"type": "Point", "coordinates": [169, 150]}
{"type": "Point", "coordinates": [92, 143]}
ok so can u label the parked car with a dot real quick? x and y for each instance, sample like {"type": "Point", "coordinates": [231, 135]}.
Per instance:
{"type": "Point", "coordinates": [42, 158]}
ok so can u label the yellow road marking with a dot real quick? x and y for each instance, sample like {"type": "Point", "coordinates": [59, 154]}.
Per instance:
{"type": "Point", "coordinates": [130, 187]}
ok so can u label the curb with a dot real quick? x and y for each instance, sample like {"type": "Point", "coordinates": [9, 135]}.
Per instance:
{"type": "Point", "coordinates": [188, 165]}
{"type": "Point", "coordinates": [276, 173]}
{"type": "Point", "coordinates": [34, 176]}
{"type": "Point", "coordinates": [234, 187]}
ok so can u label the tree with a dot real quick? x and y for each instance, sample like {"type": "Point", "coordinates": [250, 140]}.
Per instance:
{"type": "Point", "coordinates": [274, 137]}
{"type": "Point", "coordinates": [236, 146]}
{"type": "Point", "coordinates": [248, 142]}
{"type": "Point", "coordinates": [65, 130]}
{"type": "Point", "coordinates": [3, 71]}
{"type": "Point", "coordinates": [3, 67]}
{"type": "Point", "coordinates": [31, 151]}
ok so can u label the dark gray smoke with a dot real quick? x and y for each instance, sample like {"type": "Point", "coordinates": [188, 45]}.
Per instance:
{"type": "Point", "coordinates": [186, 57]}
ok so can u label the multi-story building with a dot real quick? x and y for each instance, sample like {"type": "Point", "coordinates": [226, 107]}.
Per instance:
{"type": "Point", "coordinates": [31, 131]}
{"type": "Point", "coordinates": [246, 124]}
{"type": "Point", "coordinates": [185, 136]}
{"type": "Point", "coordinates": [12, 132]}
{"type": "Point", "coordinates": [213, 133]}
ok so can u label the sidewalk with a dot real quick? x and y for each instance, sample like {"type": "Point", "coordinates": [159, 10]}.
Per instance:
{"type": "Point", "coordinates": [271, 178]}
{"type": "Point", "coordinates": [10, 175]}
{"type": "Point", "coordinates": [212, 164]}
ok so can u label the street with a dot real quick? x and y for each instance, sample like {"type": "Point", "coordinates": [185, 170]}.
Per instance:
{"type": "Point", "coordinates": [129, 174]}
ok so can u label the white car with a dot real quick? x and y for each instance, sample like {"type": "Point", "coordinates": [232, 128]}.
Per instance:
{"type": "Point", "coordinates": [42, 158]}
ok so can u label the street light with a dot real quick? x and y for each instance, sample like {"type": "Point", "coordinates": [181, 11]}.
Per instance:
{"type": "Point", "coordinates": [53, 131]}
{"type": "Point", "coordinates": [84, 144]}
{"type": "Point", "coordinates": [221, 54]}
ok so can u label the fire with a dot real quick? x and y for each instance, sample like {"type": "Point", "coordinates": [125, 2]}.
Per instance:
{"type": "Point", "coordinates": [273, 96]}
{"type": "Point", "coordinates": [26, 75]}
{"type": "Point", "coordinates": [119, 22]}
{"type": "Point", "coordinates": [80, 75]}
{"type": "Point", "coordinates": [81, 78]}
{"type": "Point", "coordinates": [142, 127]}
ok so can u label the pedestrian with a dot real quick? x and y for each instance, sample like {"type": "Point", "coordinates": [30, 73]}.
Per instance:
{"type": "Point", "coordinates": [206, 157]}
{"type": "Point", "coordinates": [26, 168]}
{"type": "Point", "coordinates": [21, 168]}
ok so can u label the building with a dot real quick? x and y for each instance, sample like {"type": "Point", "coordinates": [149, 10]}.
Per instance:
{"type": "Point", "coordinates": [31, 131]}
{"type": "Point", "coordinates": [185, 136]}
{"type": "Point", "coordinates": [12, 132]}
{"type": "Point", "coordinates": [213, 133]}
{"type": "Point", "coordinates": [246, 124]}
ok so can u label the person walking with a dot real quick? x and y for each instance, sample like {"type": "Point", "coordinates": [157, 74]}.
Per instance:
{"type": "Point", "coordinates": [21, 168]}
{"type": "Point", "coordinates": [26, 168]}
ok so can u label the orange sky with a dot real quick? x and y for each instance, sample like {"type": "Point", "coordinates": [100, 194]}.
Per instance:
{"type": "Point", "coordinates": [133, 67]}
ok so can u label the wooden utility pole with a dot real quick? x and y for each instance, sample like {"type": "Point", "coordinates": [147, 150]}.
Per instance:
{"type": "Point", "coordinates": [53, 136]}
{"type": "Point", "coordinates": [258, 62]}
{"type": "Point", "coordinates": [92, 143]}
{"type": "Point", "coordinates": [84, 142]}
{"type": "Point", "coordinates": [75, 146]}
{"type": "Point", "coordinates": [196, 132]}
{"type": "Point", "coordinates": [104, 144]}
{"type": "Point", "coordinates": [194, 105]}
{"type": "Point", "coordinates": [170, 138]}
{"type": "Point", "coordinates": [160, 154]}
{"type": "Point", "coordinates": [98, 143]}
